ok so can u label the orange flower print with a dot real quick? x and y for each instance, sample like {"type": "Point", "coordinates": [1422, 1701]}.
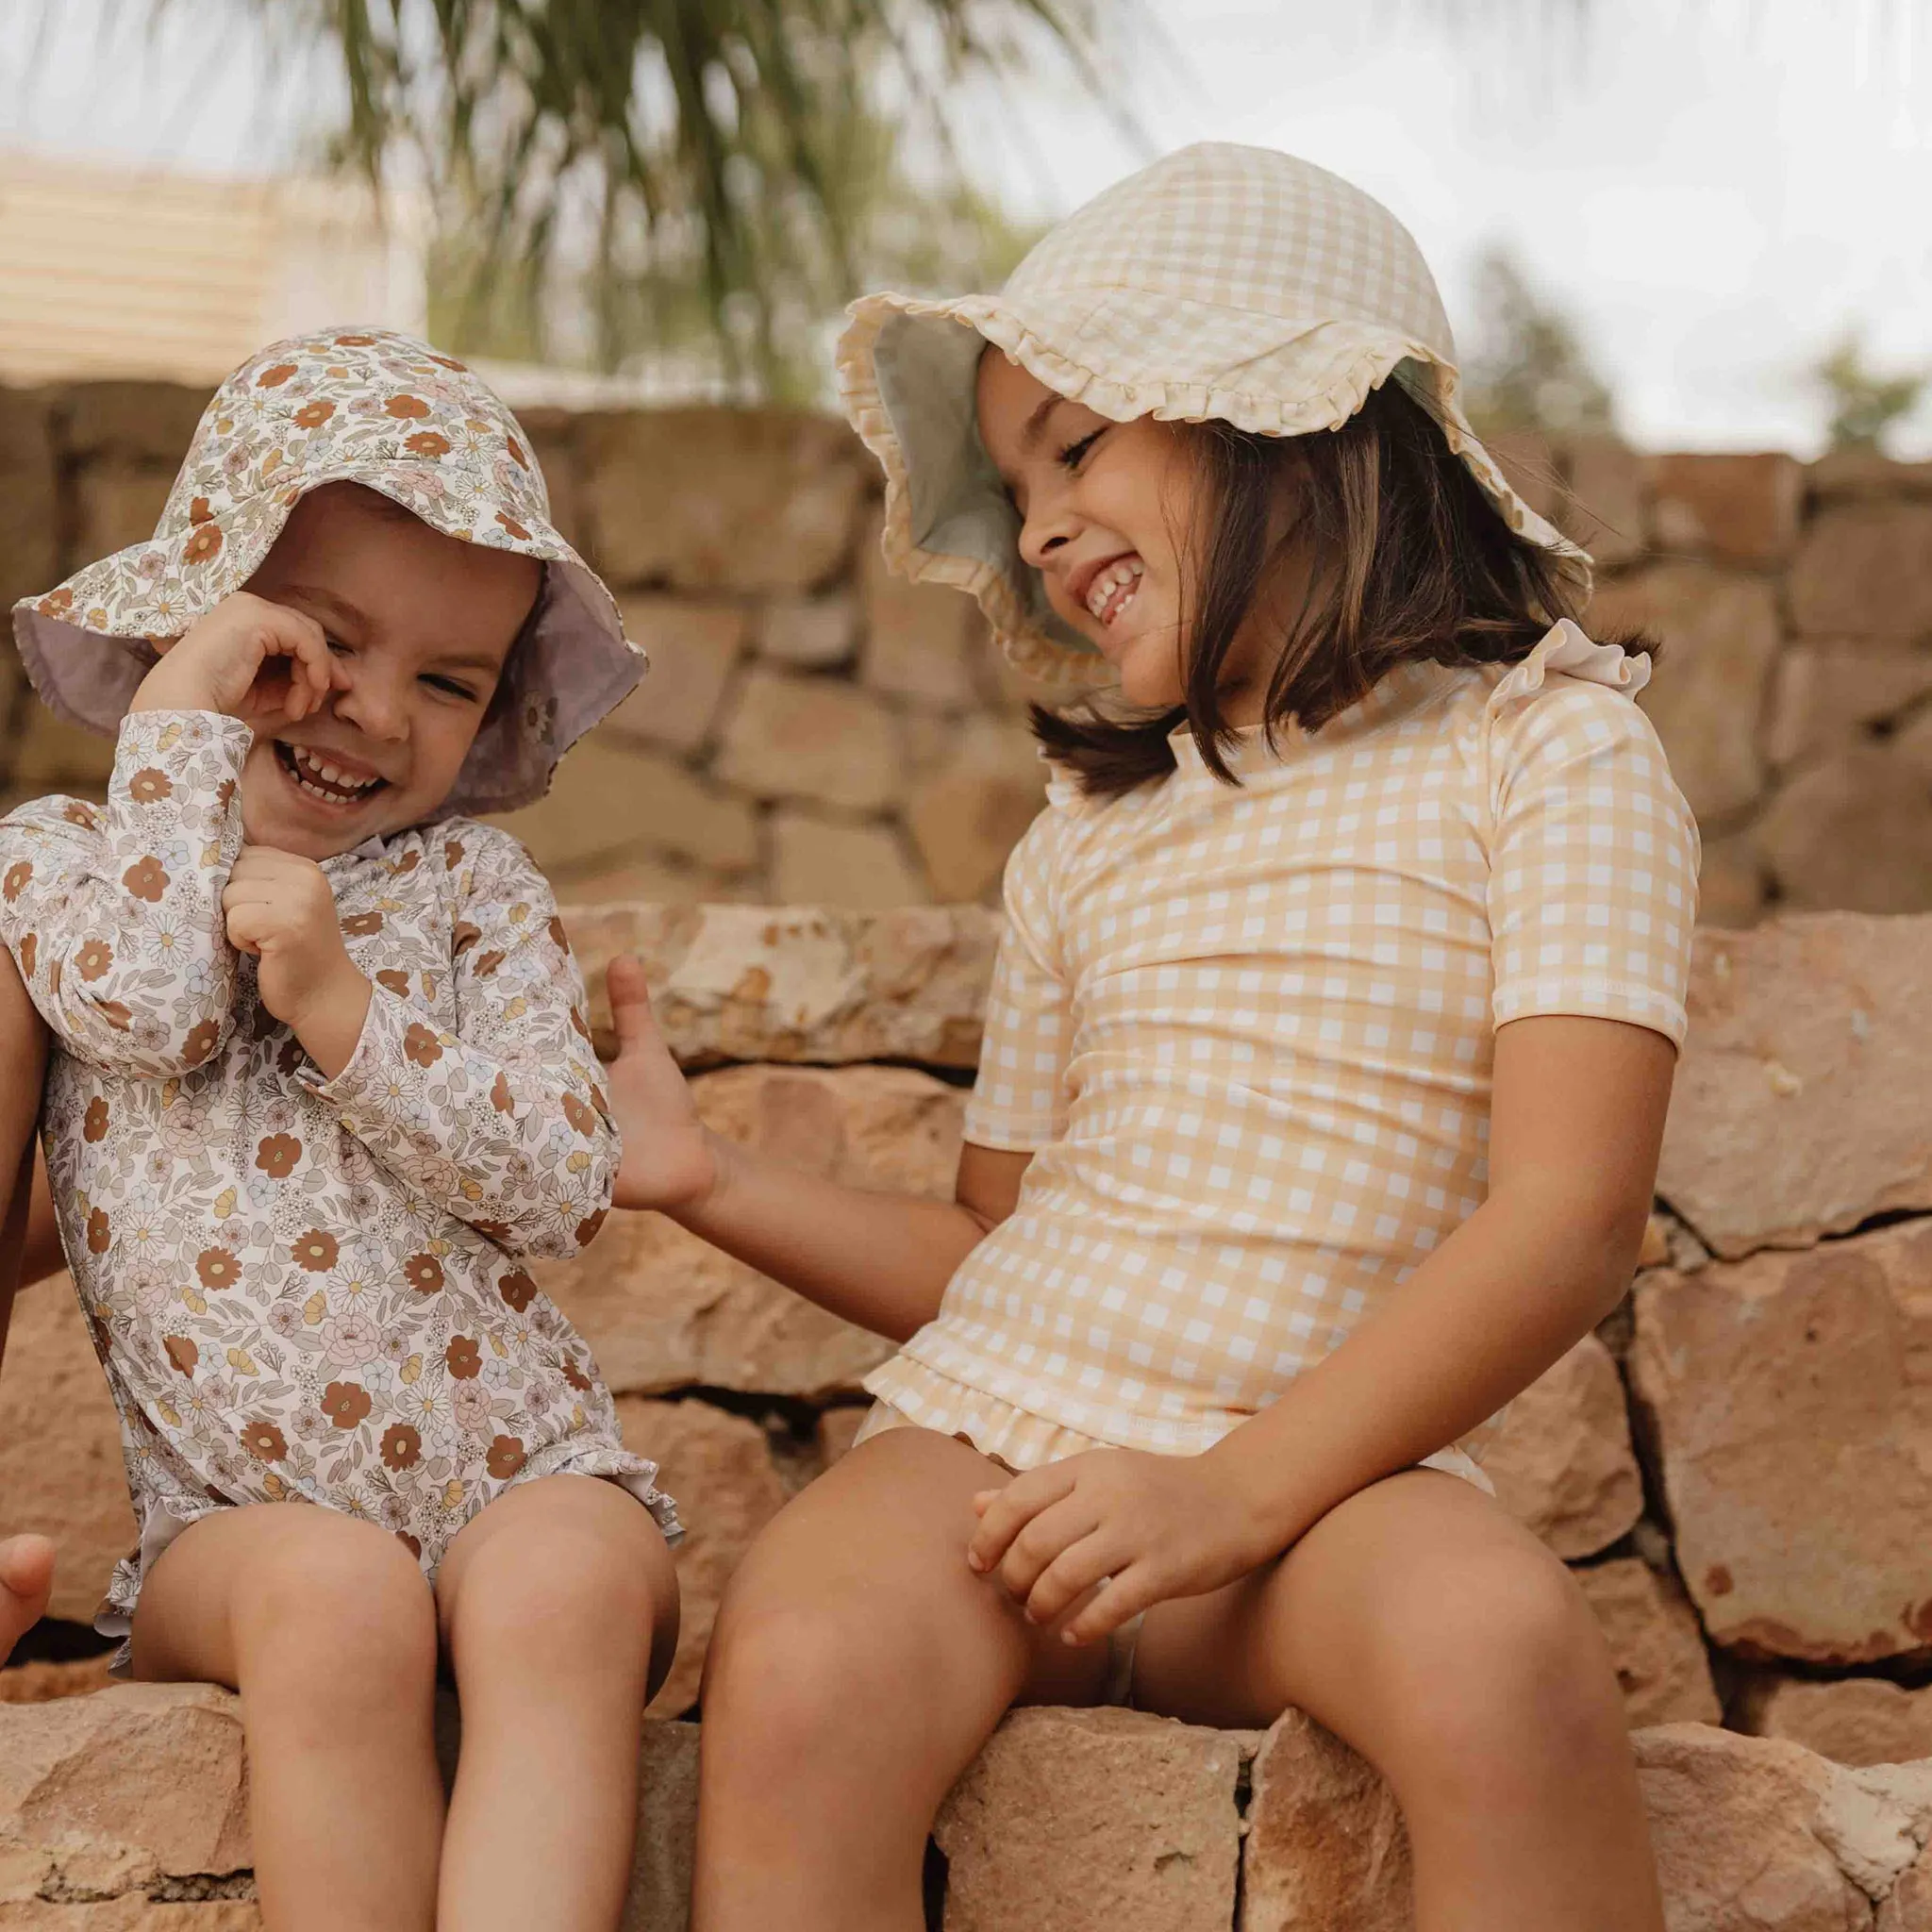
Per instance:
{"type": "Point", "coordinates": [100, 1236]}
{"type": "Point", "coordinates": [581, 1117]}
{"type": "Point", "coordinates": [93, 1126]}
{"type": "Point", "coordinates": [558, 938]}
{"type": "Point", "coordinates": [407, 863]}
{"type": "Point", "coordinates": [463, 1359]}
{"type": "Point", "coordinates": [204, 544]}
{"type": "Point", "coordinates": [113, 1012]}
{"type": "Point", "coordinates": [14, 884]}
{"type": "Point", "coordinates": [146, 879]}
{"type": "Point", "coordinates": [452, 854]}
{"type": "Point", "coordinates": [182, 1354]}
{"type": "Point", "coordinates": [54, 602]}
{"type": "Point", "coordinates": [225, 793]}
{"type": "Point", "coordinates": [424, 1272]}
{"type": "Point", "coordinates": [500, 1096]}
{"type": "Point", "coordinates": [428, 442]}
{"type": "Point", "coordinates": [578, 1024]}
{"type": "Point", "coordinates": [407, 407]}
{"type": "Point", "coordinates": [77, 811]}
{"type": "Point", "coordinates": [199, 512]}
{"type": "Point", "coordinates": [149, 787]}
{"type": "Point", "coordinates": [30, 949]}
{"type": "Point", "coordinates": [487, 963]}
{"type": "Point", "coordinates": [201, 1041]}
{"type": "Point", "coordinates": [363, 924]}
{"type": "Point", "coordinates": [506, 1456]}
{"type": "Point", "coordinates": [277, 1155]}
{"type": "Point", "coordinates": [448, 362]}
{"type": "Point", "coordinates": [586, 1229]}
{"type": "Point", "coordinates": [315, 1251]}
{"type": "Point", "coordinates": [518, 1290]}
{"type": "Point", "coordinates": [264, 1441]}
{"type": "Point", "coordinates": [421, 1046]}
{"type": "Point", "coordinates": [575, 1376]}
{"type": "Point", "coordinates": [497, 1232]}
{"type": "Point", "coordinates": [273, 378]}
{"type": "Point", "coordinates": [398, 983]}
{"type": "Point", "coordinates": [516, 454]}
{"type": "Point", "coordinates": [313, 415]}
{"type": "Point", "coordinates": [354, 341]}
{"type": "Point", "coordinates": [218, 1268]}
{"type": "Point", "coordinates": [463, 937]}
{"type": "Point", "coordinates": [510, 524]}
{"type": "Point", "coordinates": [94, 958]}
{"type": "Point", "coordinates": [345, 1403]}
{"type": "Point", "coordinates": [402, 1447]}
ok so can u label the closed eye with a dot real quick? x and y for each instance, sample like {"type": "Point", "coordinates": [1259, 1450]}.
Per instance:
{"type": "Point", "coordinates": [450, 687]}
{"type": "Point", "coordinates": [1071, 455]}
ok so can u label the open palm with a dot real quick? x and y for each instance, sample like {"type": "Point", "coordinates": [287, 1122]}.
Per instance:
{"type": "Point", "coordinates": [668, 1157]}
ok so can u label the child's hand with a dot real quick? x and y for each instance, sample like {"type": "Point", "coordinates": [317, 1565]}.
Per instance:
{"type": "Point", "coordinates": [669, 1159]}
{"type": "Point", "coordinates": [1149, 1526]}
{"type": "Point", "coordinates": [27, 1576]}
{"type": "Point", "coordinates": [257, 662]}
{"type": "Point", "coordinates": [279, 908]}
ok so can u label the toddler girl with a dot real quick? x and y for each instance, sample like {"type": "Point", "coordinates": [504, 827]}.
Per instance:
{"type": "Point", "coordinates": [1324, 1071]}
{"type": "Point", "coordinates": [321, 1087]}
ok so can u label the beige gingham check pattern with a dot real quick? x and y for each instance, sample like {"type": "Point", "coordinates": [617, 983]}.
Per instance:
{"type": "Point", "coordinates": [1246, 1034]}
{"type": "Point", "coordinates": [1224, 282]}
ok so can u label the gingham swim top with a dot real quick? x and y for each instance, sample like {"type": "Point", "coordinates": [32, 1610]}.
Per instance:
{"type": "Point", "coordinates": [1246, 1034]}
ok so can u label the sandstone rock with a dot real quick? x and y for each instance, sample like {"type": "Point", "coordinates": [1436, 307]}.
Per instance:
{"type": "Point", "coordinates": [662, 1310]}
{"type": "Point", "coordinates": [1733, 882]}
{"type": "Point", "coordinates": [810, 633]}
{"type": "Point", "coordinates": [29, 561]}
{"type": "Point", "coordinates": [810, 737]}
{"type": "Point", "coordinates": [1789, 1416]}
{"type": "Point", "coordinates": [819, 862]}
{"type": "Point", "coordinates": [663, 881]}
{"type": "Point", "coordinates": [719, 1468]}
{"type": "Point", "coordinates": [1561, 1462]}
{"type": "Point", "coordinates": [659, 1897]}
{"type": "Point", "coordinates": [1799, 1105]}
{"type": "Point", "coordinates": [1736, 508]}
{"type": "Point", "coordinates": [919, 637]}
{"type": "Point", "coordinates": [119, 504]}
{"type": "Point", "coordinates": [53, 756]}
{"type": "Point", "coordinates": [1721, 638]}
{"type": "Point", "coordinates": [837, 1430]}
{"type": "Point", "coordinates": [1326, 1848]}
{"type": "Point", "coordinates": [1854, 831]}
{"type": "Point", "coordinates": [1605, 511]}
{"type": "Point", "coordinates": [61, 1469]}
{"type": "Point", "coordinates": [112, 1796]}
{"type": "Point", "coordinates": [40, 1683]}
{"type": "Point", "coordinates": [1094, 1820]}
{"type": "Point", "coordinates": [755, 983]}
{"type": "Point", "coordinates": [1827, 695]}
{"type": "Point", "coordinates": [967, 816]}
{"type": "Point", "coordinates": [553, 437]}
{"type": "Point", "coordinates": [131, 1914]}
{"type": "Point", "coordinates": [142, 422]}
{"type": "Point", "coordinates": [1909, 1907]}
{"type": "Point", "coordinates": [610, 799]}
{"type": "Point", "coordinates": [1853, 1721]}
{"type": "Point", "coordinates": [1654, 1642]}
{"type": "Point", "coordinates": [693, 647]}
{"type": "Point", "coordinates": [748, 500]}
{"type": "Point", "coordinates": [1864, 570]}
{"type": "Point", "coordinates": [1846, 474]}
{"type": "Point", "coordinates": [1527, 459]}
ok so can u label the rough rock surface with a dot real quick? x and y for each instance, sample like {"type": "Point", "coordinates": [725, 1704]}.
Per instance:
{"type": "Point", "coordinates": [40, 1683]}
{"type": "Point", "coordinates": [760, 983]}
{"type": "Point", "coordinates": [1562, 1462]}
{"type": "Point", "coordinates": [1856, 1720]}
{"type": "Point", "coordinates": [1792, 1415]}
{"type": "Point", "coordinates": [1799, 1106]}
{"type": "Point", "coordinates": [667, 1825]}
{"type": "Point", "coordinates": [719, 1467]}
{"type": "Point", "coordinates": [1655, 1643]}
{"type": "Point", "coordinates": [662, 1310]}
{"type": "Point", "coordinates": [1094, 1821]}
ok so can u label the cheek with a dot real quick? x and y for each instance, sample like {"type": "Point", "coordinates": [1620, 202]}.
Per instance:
{"type": "Point", "coordinates": [443, 739]}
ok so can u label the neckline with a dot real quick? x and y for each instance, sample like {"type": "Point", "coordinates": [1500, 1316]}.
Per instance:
{"type": "Point", "coordinates": [1249, 746]}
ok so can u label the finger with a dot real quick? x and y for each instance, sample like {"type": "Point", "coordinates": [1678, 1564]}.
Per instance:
{"type": "Point", "coordinates": [630, 1003]}
{"type": "Point", "coordinates": [1041, 1543]}
{"type": "Point", "coordinates": [1132, 1589]}
{"type": "Point", "coordinates": [1079, 1568]}
{"type": "Point", "coordinates": [1016, 1506]}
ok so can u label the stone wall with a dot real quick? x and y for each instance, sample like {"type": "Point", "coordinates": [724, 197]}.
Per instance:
{"type": "Point", "coordinates": [818, 733]}
{"type": "Point", "coordinates": [1732, 1466]}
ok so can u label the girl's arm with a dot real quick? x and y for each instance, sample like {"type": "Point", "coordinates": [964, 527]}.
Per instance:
{"type": "Point", "coordinates": [24, 1054]}
{"type": "Point", "coordinates": [41, 1254]}
{"type": "Point", "coordinates": [881, 1261]}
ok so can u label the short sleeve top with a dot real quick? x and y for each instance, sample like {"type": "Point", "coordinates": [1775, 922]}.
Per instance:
{"type": "Point", "coordinates": [1246, 1033]}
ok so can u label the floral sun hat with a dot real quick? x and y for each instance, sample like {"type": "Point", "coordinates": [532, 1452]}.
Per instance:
{"type": "Point", "coordinates": [1223, 283]}
{"type": "Point", "coordinates": [347, 405]}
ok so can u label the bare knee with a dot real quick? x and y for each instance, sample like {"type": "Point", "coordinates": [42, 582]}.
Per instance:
{"type": "Point", "coordinates": [798, 1677]}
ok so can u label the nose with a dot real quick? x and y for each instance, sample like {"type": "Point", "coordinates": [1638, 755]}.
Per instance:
{"type": "Point", "coordinates": [373, 702]}
{"type": "Point", "coordinates": [1048, 526]}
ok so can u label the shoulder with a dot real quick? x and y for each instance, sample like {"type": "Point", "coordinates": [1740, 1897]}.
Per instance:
{"type": "Point", "coordinates": [482, 858]}
{"type": "Point", "coordinates": [1569, 697]}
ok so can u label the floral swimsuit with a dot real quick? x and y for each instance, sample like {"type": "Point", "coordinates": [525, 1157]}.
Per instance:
{"type": "Point", "coordinates": [311, 1289]}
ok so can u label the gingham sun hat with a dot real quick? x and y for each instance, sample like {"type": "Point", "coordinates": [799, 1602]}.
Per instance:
{"type": "Point", "coordinates": [1223, 283]}
{"type": "Point", "coordinates": [347, 406]}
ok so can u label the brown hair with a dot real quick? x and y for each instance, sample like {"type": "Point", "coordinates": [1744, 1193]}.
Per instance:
{"type": "Point", "coordinates": [1410, 561]}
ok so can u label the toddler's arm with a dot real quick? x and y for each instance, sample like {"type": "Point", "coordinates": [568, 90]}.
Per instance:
{"type": "Point", "coordinates": [502, 1122]}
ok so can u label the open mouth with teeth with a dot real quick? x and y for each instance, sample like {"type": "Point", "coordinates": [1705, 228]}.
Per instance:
{"type": "Point", "coordinates": [314, 776]}
{"type": "Point", "coordinates": [1114, 589]}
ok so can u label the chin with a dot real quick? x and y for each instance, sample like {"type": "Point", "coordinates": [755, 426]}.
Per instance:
{"type": "Point", "coordinates": [1149, 676]}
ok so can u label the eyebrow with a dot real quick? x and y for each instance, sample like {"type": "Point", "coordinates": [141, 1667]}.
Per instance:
{"type": "Point", "coordinates": [451, 661]}
{"type": "Point", "coordinates": [1036, 423]}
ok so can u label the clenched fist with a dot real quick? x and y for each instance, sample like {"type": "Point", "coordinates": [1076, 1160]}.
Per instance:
{"type": "Point", "coordinates": [280, 909]}
{"type": "Point", "coordinates": [257, 662]}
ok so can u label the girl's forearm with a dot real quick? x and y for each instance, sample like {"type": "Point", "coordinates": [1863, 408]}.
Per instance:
{"type": "Point", "coordinates": [40, 1252]}
{"type": "Point", "coordinates": [881, 1261]}
{"type": "Point", "coordinates": [1518, 1284]}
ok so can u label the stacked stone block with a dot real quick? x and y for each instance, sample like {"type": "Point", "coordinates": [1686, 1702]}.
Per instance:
{"type": "Point", "coordinates": [817, 732]}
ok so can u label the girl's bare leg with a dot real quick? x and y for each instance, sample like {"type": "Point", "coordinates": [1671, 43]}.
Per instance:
{"type": "Point", "coordinates": [857, 1668]}
{"type": "Point", "coordinates": [1437, 1636]}
{"type": "Point", "coordinates": [327, 1629]}
{"type": "Point", "coordinates": [27, 1578]}
{"type": "Point", "coordinates": [22, 1071]}
{"type": "Point", "coordinates": [558, 1606]}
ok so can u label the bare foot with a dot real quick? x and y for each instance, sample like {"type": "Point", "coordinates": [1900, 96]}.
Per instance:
{"type": "Point", "coordinates": [27, 1575]}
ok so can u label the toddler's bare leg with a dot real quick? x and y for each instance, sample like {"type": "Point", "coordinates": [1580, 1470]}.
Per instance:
{"type": "Point", "coordinates": [327, 1629]}
{"type": "Point", "coordinates": [1432, 1631]}
{"type": "Point", "coordinates": [27, 1576]}
{"type": "Point", "coordinates": [558, 1603]}
{"type": "Point", "coordinates": [23, 1069]}
{"type": "Point", "coordinates": [856, 1667]}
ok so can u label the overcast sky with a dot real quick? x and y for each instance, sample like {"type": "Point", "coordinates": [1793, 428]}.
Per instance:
{"type": "Point", "coordinates": [1713, 188]}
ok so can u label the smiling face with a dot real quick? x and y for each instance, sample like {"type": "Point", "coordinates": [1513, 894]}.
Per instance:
{"type": "Point", "coordinates": [421, 625]}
